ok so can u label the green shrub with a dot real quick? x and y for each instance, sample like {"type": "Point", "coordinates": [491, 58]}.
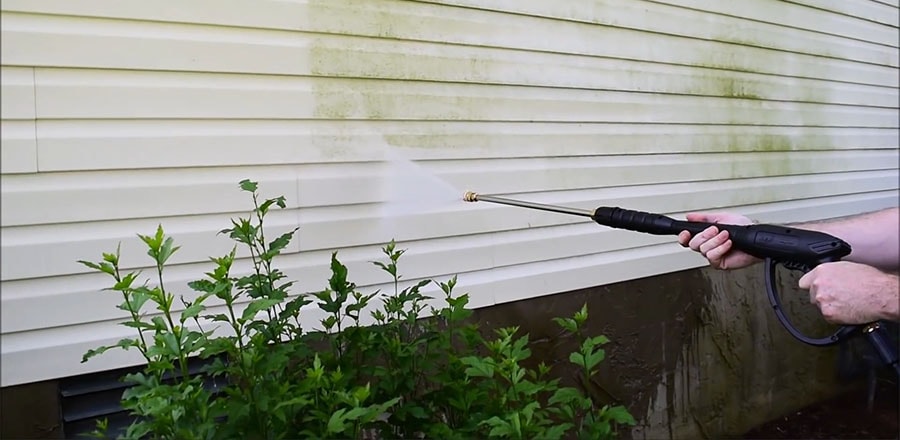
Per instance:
{"type": "Point", "coordinates": [413, 371]}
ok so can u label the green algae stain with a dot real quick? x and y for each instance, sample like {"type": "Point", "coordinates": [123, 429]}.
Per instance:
{"type": "Point", "coordinates": [728, 86]}
{"type": "Point", "coordinates": [750, 120]}
{"type": "Point", "coordinates": [361, 78]}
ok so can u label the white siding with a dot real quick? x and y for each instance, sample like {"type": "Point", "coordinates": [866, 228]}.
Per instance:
{"type": "Point", "coordinates": [118, 115]}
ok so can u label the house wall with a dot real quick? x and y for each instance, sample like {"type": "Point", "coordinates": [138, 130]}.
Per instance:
{"type": "Point", "coordinates": [118, 115]}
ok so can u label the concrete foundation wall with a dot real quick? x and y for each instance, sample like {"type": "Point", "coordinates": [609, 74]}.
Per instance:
{"type": "Point", "coordinates": [693, 354]}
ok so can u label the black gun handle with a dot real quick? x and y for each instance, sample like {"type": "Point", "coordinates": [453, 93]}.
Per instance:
{"type": "Point", "coordinates": [782, 243]}
{"type": "Point", "coordinates": [639, 221]}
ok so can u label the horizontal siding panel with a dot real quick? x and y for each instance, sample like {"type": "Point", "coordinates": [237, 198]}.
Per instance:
{"type": "Point", "coordinates": [18, 148]}
{"type": "Point", "coordinates": [139, 144]}
{"type": "Point", "coordinates": [673, 20]}
{"type": "Point", "coordinates": [894, 3]}
{"type": "Point", "coordinates": [41, 251]}
{"type": "Point", "coordinates": [17, 93]}
{"type": "Point", "coordinates": [120, 95]}
{"type": "Point", "coordinates": [866, 10]}
{"type": "Point", "coordinates": [794, 15]}
{"type": "Point", "coordinates": [18, 141]}
{"type": "Point", "coordinates": [74, 42]}
{"type": "Point", "coordinates": [147, 194]}
{"type": "Point", "coordinates": [53, 344]}
{"type": "Point", "coordinates": [563, 174]}
{"type": "Point", "coordinates": [108, 195]}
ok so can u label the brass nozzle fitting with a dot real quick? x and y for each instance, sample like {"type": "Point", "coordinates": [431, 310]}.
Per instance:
{"type": "Point", "coordinates": [470, 196]}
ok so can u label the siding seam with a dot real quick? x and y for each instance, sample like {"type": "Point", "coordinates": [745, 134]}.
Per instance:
{"type": "Point", "coordinates": [37, 148]}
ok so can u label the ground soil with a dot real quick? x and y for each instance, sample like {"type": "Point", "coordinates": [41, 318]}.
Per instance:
{"type": "Point", "coordinates": [843, 417]}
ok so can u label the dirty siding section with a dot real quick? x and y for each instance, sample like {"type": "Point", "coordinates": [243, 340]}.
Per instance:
{"type": "Point", "coordinates": [120, 115]}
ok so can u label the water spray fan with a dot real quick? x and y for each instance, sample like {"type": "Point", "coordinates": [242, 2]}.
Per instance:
{"type": "Point", "coordinates": [795, 249]}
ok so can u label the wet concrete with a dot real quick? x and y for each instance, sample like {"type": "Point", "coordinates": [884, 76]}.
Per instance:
{"type": "Point", "coordinates": [693, 354]}
{"type": "Point", "coordinates": [30, 411]}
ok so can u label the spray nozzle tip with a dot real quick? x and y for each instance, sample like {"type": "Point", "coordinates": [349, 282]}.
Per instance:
{"type": "Point", "coordinates": [470, 196]}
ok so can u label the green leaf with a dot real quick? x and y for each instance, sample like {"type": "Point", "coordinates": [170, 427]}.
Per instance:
{"type": "Point", "coordinates": [619, 414]}
{"type": "Point", "coordinates": [160, 323]}
{"type": "Point", "coordinates": [301, 400]}
{"type": "Point", "coordinates": [113, 258]}
{"type": "Point", "coordinates": [499, 427]}
{"type": "Point", "coordinates": [138, 325]}
{"type": "Point", "coordinates": [138, 430]}
{"type": "Point", "coordinates": [166, 250]}
{"type": "Point", "coordinates": [278, 244]}
{"type": "Point", "coordinates": [248, 185]}
{"type": "Point", "coordinates": [264, 207]}
{"type": "Point", "coordinates": [477, 367]}
{"type": "Point", "coordinates": [336, 422]}
{"type": "Point", "coordinates": [257, 306]}
{"type": "Point", "coordinates": [582, 315]}
{"type": "Point", "coordinates": [567, 323]}
{"type": "Point", "coordinates": [557, 431]}
{"type": "Point", "coordinates": [124, 344]}
{"type": "Point", "coordinates": [192, 311]}
{"type": "Point", "coordinates": [338, 280]}
{"type": "Point", "coordinates": [565, 396]}
{"type": "Point", "coordinates": [102, 267]}
{"type": "Point", "coordinates": [417, 412]}
{"type": "Point", "coordinates": [126, 282]}
{"type": "Point", "coordinates": [171, 344]}
{"type": "Point", "coordinates": [577, 359]}
{"type": "Point", "coordinates": [516, 424]}
{"type": "Point", "coordinates": [218, 317]}
{"type": "Point", "coordinates": [599, 340]}
{"type": "Point", "coordinates": [594, 358]}
{"type": "Point", "coordinates": [357, 413]}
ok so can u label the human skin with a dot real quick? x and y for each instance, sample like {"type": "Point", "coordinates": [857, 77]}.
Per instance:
{"type": "Point", "coordinates": [860, 289]}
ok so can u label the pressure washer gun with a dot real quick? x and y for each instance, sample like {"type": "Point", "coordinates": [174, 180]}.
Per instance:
{"type": "Point", "coordinates": [795, 249]}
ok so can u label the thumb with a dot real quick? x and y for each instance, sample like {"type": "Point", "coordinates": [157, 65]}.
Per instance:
{"type": "Point", "coordinates": [709, 217]}
{"type": "Point", "coordinates": [806, 280]}
{"type": "Point", "coordinates": [697, 217]}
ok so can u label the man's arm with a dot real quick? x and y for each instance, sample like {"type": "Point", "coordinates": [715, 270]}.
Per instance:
{"type": "Point", "coordinates": [874, 236]}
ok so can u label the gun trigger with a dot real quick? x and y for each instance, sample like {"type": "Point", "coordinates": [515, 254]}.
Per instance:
{"type": "Point", "coordinates": [793, 265]}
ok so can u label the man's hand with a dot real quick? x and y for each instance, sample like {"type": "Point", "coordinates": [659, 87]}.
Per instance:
{"type": "Point", "coordinates": [852, 293]}
{"type": "Point", "coordinates": [716, 245]}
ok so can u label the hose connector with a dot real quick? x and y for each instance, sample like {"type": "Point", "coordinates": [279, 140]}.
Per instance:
{"type": "Point", "coordinates": [470, 196]}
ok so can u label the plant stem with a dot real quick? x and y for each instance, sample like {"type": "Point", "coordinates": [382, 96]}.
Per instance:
{"type": "Point", "coordinates": [167, 310]}
{"type": "Point", "coordinates": [134, 313]}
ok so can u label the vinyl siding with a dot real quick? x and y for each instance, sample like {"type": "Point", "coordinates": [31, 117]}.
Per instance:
{"type": "Point", "coordinates": [120, 115]}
